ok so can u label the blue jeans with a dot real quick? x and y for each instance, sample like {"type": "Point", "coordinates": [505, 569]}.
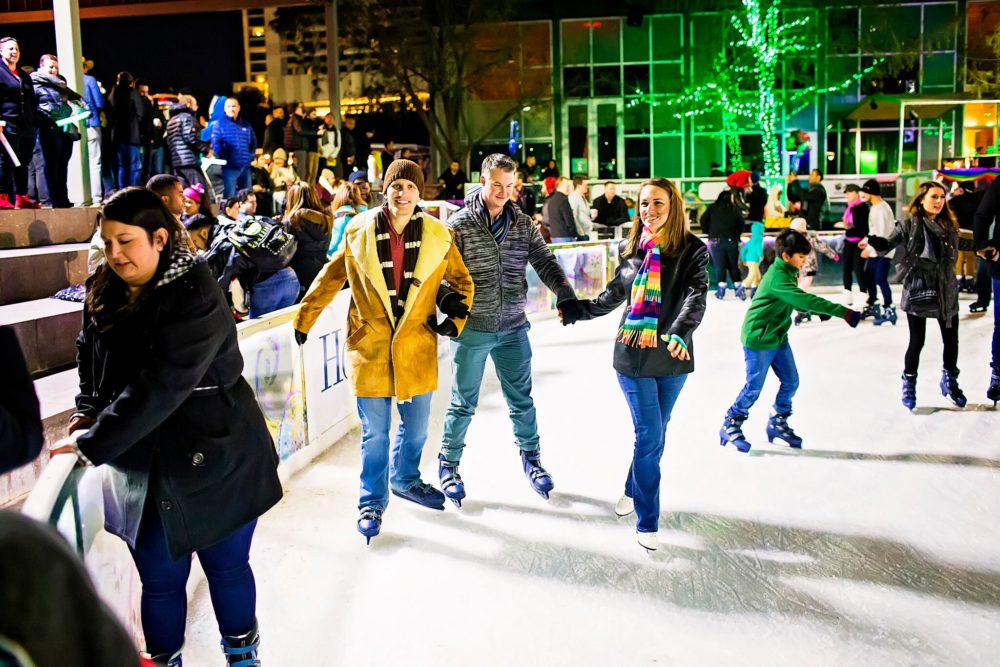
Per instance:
{"type": "Point", "coordinates": [650, 400]}
{"type": "Point", "coordinates": [235, 179]}
{"type": "Point", "coordinates": [277, 292]}
{"type": "Point", "coordinates": [877, 272]}
{"type": "Point", "coordinates": [402, 468]}
{"type": "Point", "coordinates": [758, 362]}
{"type": "Point", "coordinates": [129, 165]}
{"type": "Point", "coordinates": [511, 353]}
{"type": "Point", "coordinates": [164, 598]}
{"type": "Point", "coordinates": [996, 323]}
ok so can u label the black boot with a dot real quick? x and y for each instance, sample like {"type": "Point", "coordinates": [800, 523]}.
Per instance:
{"type": "Point", "coordinates": [950, 389]}
{"type": "Point", "coordinates": [241, 650]}
{"type": "Point", "coordinates": [993, 393]}
{"type": "Point", "coordinates": [910, 390]}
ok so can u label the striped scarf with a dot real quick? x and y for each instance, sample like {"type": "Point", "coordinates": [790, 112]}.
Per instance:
{"type": "Point", "coordinates": [643, 316]}
{"type": "Point", "coordinates": [411, 244]}
{"type": "Point", "coordinates": [501, 224]}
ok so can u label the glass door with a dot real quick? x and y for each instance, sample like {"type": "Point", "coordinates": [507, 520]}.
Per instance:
{"type": "Point", "coordinates": [594, 143]}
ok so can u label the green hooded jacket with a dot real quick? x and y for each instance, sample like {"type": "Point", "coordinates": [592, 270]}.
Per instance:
{"type": "Point", "coordinates": [769, 317]}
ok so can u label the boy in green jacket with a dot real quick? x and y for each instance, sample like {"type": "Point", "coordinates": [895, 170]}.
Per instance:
{"type": "Point", "coordinates": [765, 341]}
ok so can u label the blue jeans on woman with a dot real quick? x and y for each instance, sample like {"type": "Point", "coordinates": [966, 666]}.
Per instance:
{"type": "Point", "coordinates": [877, 273]}
{"type": "Point", "coordinates": [650, 400]}
{"type": "Point", "coordinates": [996, 323]}
{"type": "Point", "coordinates": [277, 292]}
{"type": "Point", "coordinates": [129, 165]}
{"type": "Point", "coordinates": [758, 362]}
{"type": "Point", "coordinates": [401, 466]}
{"type": "Point", "coordinates": [164, 580]}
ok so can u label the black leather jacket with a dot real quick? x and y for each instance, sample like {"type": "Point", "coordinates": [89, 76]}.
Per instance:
{"type": "Point", "coordinates": [684, 284]}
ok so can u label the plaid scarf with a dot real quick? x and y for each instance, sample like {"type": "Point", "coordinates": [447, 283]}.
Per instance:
{"type": "Point", "coordinates": [182, 260]}
{"type": "Point", "coordinates": [643, 316]}
{"type": "Point", "coordinates": [411, 244]}
{"type": "Point", "coordinates": [501, 224]}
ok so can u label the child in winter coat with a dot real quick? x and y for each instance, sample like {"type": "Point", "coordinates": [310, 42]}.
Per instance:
{"type": "Point", "coordinates": [811, 267]}
{"type": "Point", "coordinates": [765, 341]}
{"type": "Point", "coordinates": [751, 254]}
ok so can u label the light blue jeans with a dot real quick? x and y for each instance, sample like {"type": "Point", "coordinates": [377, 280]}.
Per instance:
{"type": "Point", "coordinates": [758, 363]}
{"type": "Point", "coordinates": [402, 468]}
{"type": "Point", "coordinates": [511, 353]}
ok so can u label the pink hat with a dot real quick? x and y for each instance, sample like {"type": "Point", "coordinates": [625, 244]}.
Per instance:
{"type": "Point", "coordinates": [195, 192]}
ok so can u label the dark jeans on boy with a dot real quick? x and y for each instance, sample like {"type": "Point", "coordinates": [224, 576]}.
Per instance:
{"type": "Point", "coordinates": [757, 364]}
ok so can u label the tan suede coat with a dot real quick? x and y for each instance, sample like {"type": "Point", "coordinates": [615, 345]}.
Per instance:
{"type": "Point", "coordinates": [385, 357]}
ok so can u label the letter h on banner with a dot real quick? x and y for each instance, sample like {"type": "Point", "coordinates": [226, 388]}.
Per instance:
{"type": "Point", "coordinates": [337, 358]}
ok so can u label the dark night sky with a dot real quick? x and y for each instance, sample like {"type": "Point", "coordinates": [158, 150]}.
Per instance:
{"type": "Point", "coordinates": [202, 52]}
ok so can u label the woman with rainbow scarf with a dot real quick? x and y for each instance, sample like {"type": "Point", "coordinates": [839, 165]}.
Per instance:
{"type": "Point", "coordinates": [663, 277]}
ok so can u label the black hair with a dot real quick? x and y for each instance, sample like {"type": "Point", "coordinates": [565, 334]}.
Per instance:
{"type": "Point", "coordinates": [243, 195]}
{"type": "Point", "coordinates": [791, 242]}
{"type": "Point", "coordinates": [496, 161]}
{"type": "Point", "coordinates": [820, 172]}
{"type": "Point", "coordinates": [199, 220]}
{"type": "Point", "coordinates": [231, 202]}
{"type": "Point", "coordinates": [139, 82]}
{"type": "Point", "coordinates": [185, 91]}
{"type": "Point", "coordinates": [162, 184]}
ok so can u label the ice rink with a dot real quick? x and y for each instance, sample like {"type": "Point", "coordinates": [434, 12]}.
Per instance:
{"type": "Point", "coordinates": [878, 544]}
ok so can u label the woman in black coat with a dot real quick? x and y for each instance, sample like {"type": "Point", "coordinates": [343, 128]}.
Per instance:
{"type": "Point", "coordinates": [190, 462]}
{"type": "Point", "coordinates": [308, 220]}
{"type": "Point", "coordinates": [654, 348]}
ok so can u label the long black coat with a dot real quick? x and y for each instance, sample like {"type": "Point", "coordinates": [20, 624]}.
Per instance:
{"type": "Point", "coordinates": [176, 421]}
{"type": "Point", "coordinates": [684, 284]}
{"type": "Point", "coordinates": [21, 436]}
{"type": "Point", "coordinates": [313, 240]}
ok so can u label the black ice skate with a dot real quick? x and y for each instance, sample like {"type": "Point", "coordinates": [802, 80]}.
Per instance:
{"type": "Point", "coordinates": [951, 390]}
{"type": "Point", "coordinates": [993, 393]}
{"type": "Point", "coordinates": [241, 650]}
{"type": "Point", "coordinates": [541, 480]}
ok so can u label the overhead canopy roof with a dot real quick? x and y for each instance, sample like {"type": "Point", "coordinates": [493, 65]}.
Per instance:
{"type": "Point", "coordinates": [887, 107]}
{"type": "Point", "coordinates": [31, 11]}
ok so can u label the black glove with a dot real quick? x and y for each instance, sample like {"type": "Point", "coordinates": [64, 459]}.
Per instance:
{"type": "Point", "coordinates": [446, 328]}
{"type": "Point", "coordinates": [571, 311]}
{"type": "Point", "coordinates": [824, 318]}
{"type": "Point", "coordinates": [453, 305]}
{"type": "Point", "coordinates": [301, 337]}
{"type": "Point", "coordinates": [852, 317]}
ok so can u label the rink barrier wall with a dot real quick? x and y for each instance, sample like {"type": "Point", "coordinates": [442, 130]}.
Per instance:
{"type": "Point", "coordinates": [307, 401]}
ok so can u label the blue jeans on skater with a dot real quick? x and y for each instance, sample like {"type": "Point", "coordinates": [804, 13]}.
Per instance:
{"type": "Point", "coordinates": [758, 362]}
{"type": "Point", "coordinates": [277, 292]}
{"type": "Point", "coordinates": [164, 580]}
{"type": "Point", "coordinates": [650, 400]}
{"type": "Point", "coordinates": [234, 180]}
{"type": "Point", "coordinates": [996, 323]}
{"type": "Point", "coordinates": [877, 273]}
{"type": "Point", "coordinates": [511, 353]}
{"type": "Point", "coordinates": [129, 165]}
{"type": "Point", "coordinates": [401, 469]}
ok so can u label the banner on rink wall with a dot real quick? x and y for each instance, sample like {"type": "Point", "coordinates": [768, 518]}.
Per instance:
{"type": "Point", "coordinates": [330, 405]}
{"type": "Point", "coordinates": [588, 266]}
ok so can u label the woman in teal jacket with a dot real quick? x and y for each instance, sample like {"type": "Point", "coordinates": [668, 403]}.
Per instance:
{"type": "Point", "coordinates": [751, 254]}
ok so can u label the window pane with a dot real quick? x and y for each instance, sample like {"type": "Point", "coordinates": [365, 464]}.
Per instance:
{"type": "Point", "coordinates": [892, 29]}
{"type": "Point", "coordinates": [636, 117]}
{"type": "Point", "coordinates": [664, 119]}
{"type": "Point", "coordinates": [706, 33]}
{"type": "Point", "coordinates": [575, 42]}
{"type": "Point", "coordinates": [536, 44]}
{"type": "Point", "coordinates": [578, 145]}
{"type": "Point", "coordinates": [608, 80]}
{"type": "Point", "coordinates": [542, 151]}
{"type": "Point", "coordinates": [667, 38]}
{"type": "Point", "coordinates": [636, 42]}
{"type": "Point", "coordinates": [707, 150]}
{"type": "Point", "coordinates": [667, 158]}
{"type": "Point", "coordinates": [576, 82]}
{"type": "Point", "coordinates": [607, 141]}
{"type": "Point", "coordinates": [607, 40]}
{"type": "Point", "coordinates": [538, 121]}
{"type": "Point", "coordinates": [843, 31]}
{"type": "Point", "coordinates": [839, 70]}
{"type": "Point", "coordinates": [637, 158]}
{"type": "Point", "coordinates": [939, 69]}
{"type": "Point", "coordinates": [707, 122]}
{"type": "Point", "coordinates": [667, 78]}
{"type": "Point", "coordinates": [636, 79]}
{"type": "Point", "coordinates": [939, 27]}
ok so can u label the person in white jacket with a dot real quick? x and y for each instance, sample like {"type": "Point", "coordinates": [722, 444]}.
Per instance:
{"type": "Point", "coordinates": [581, 208]}
{"type": "Point", "coordinates": [881, 222]}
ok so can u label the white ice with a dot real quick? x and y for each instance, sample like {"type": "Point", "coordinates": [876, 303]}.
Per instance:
{"type": "Point", "coordinates": [878, 544]}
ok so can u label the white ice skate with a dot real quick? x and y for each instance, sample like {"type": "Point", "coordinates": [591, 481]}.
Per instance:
{"type": "Point", "coordinates": [649, 541]}
{"type": "Point", "coordinates": [624, 506]}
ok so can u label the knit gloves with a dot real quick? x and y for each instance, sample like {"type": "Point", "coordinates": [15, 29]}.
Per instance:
{"type": "Point", "coordinates": [445, 328]}
{"type": "Point", "coordinates": [852, 317]}
{"type": "Point", "coordinates": [571, 311]}
{"type": "Point", "coordinates": [453, 305]}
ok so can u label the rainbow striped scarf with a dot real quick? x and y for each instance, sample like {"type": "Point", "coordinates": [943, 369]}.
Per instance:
{"type": "Point", "coordinates": [643, 316]}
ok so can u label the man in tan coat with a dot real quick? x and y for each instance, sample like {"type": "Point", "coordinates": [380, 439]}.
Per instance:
{"type": "Point", "coordinates": [395, 257]}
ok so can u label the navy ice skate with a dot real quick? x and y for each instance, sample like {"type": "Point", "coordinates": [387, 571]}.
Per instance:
{"type": "Point", "coordinates": [720, 292]}
{"type": "Point", "coordinates": [422, 494]}
{"type": "Point", "coordinates": [741, 293]}
{"type": "Point", "coordinates": [241, 650]}
{"type": "Point", "coordinates": [731, 433]}
{"type": "Point", "coordinates": [993, 393]}
{"type": "Point", "coordinates": [951, 390]}
{"type": "Point", "coordinates": [909, 391]}
{"type": "Point", "coordinates": [753, 290]}
{"type": "Point", "coordinates": [778, 429]}
{"type": "Point", "coordinates": [888, 314]}
{"type": "Point", "coordinates": [451, 481]}
{"type": "Point", "coordinates": [370, 522]}
{"type": "Point", "coordinates": [541, 480]}
{"type": "Point", "coordinates": [870, 310]}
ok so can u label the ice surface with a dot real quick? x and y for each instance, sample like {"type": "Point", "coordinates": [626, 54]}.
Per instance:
{"type": "Point", "coordinates": [878, 544]}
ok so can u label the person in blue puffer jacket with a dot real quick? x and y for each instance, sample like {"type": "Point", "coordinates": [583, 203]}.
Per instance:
{"type": "Point", "coordinates": [233, 140]}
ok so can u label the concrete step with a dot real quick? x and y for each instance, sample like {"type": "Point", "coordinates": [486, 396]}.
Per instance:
{"type": "Point", "coordinates": [35, 273]}
{"type": "Point", "coordinates": [47, 226]}
{"type": "Point", "coordinates": [47, 331]}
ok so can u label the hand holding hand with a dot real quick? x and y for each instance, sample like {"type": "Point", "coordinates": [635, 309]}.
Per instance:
{"type": "Point", "coordinates": [301, 337]}
{"type": "Point", "coordinates": [445, 328]}
{"type": "Point", "coordinates": [852, 317]}
{"type": "Point", "coordinates": [990, 254]}
{"type": "Point", "coordinates": [453, 305]}
{"type": "Point", "coordinates": [571, 311]}
{"type": "Point", "coordinates": [676, 347]}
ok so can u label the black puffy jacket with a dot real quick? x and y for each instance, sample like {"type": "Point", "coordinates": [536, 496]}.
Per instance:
{"type": "Point", "coordinates": [183, 138]}
{"type": "Point", "coordinates": [722, 219]}
{"type": "Point", "coordinates": [684, 284]}
{"type": "Point", "coordinates": [176, 423]}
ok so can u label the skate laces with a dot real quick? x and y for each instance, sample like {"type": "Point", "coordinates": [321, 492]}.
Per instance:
{"type": "Point", "coordinates": [371, 513]}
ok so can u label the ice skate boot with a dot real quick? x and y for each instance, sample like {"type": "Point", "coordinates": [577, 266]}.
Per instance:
{"type": "Point", "coordinates": [731, 433]}
{"type": "Point", "coordinates": [422, 494]}
{"type": "Point", "coordinates": [648, 541]}
{"type": "Point", "coordinates": [451, 481]}
{"type": "Point", "coordinates": [753, 290]}
{"type": "Point", "coordinates": [870, 310]}
{"type": "Point", "coordinates": [888, 315]}
{"type": "Point", "coordinates": [993, 393]}
{"type": "Point", "coordinates": [167, 660]}
{"type": "Point", "coordinates": [978, 307]}
{"type": "Point", "coordinates": [909, 391]}
{"type": "Point", "coordinates": [541, 480]}
{"type": "Point", "coordinates": [624, 506]}
{"type": "Point", "coordinates": [720, 292]}
{"type": "Point", "coordinates": [370, 522]}
{"type": "Point", "coordinates": [801, 317]}
{"type": "Point", "coordinates": [741, 293]}
{"type": "Point", "coordinates": [950, 389]}
{"type": "Point", "coordinates": [778, 429]}
{"type": "Point", "coordinates": [241, 650]}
